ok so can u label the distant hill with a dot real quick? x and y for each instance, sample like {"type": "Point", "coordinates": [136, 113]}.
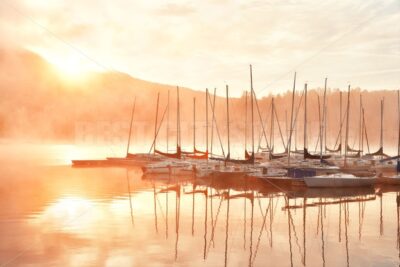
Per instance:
{"type": "Point", "coordinates": [38, 104]}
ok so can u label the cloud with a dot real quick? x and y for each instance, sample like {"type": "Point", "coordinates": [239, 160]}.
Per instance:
{"type": "Point", "coordinates": [174, 10]}
{"type": "Point", "coordinates": [209, 43]}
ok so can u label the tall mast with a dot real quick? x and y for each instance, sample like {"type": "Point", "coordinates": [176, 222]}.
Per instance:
{"type": "Point", "coordinates": [178, 123]}
{"type": "Point", "coordinates": [194, 124]}
{"type": "Point", "coordinates": [212, 122]}
{"type": "Point", "coordinates": [227, 120]}
{"type": "Point", "coordinates": [319, 123]}
{"type": "Point", "coordinates": [271, 138]}
{"type": "Point", "coordinates": [245, 123]}
{"type": "Point", "coordinates": [286, 128]}
{"type": "Point", "coordinates": [305, 117]}
{"type": "Point", "coordinates": [347, 126]}
{"type": "Point", "coordinates": [291, 118]}
{"type": "Point", "coordinates": [207, 122]}
{"type": "Point", "coordinates": [323, 119]}
{"type": "Point", "coordinates": [155, 125]}
{"type": "Point", "coordinates": [168, 122]}
{"type": "Point", "coordinates": [381, 139]}
{"type": "Point", "coordinates": [326, 126]}
{"type": "Point", "coordinates": [340, 124]}
{"type": "Point", "coordinates": [130, 127]}
{"type": "Point", "coordinates": [398, 138]}
{"type": "Point", "coordinates": [360, 125]}
{"type": "Point", "coordinates": [252, 111]}
{"type": "Point", "coordinates": [365, 129]}
{"type": "Point", "coordinates": [295, 135]}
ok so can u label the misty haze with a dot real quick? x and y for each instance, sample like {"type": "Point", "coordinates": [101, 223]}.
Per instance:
{"type": "Point", "coordinates": [212, 133]}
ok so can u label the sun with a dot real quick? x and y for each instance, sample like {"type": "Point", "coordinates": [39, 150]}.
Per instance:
{"type": "Point", "coordinates": [71, 68]}
{"type": "Point", "coordinates": [69, 65]}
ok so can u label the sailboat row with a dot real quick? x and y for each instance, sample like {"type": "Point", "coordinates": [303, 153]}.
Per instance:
{"type": "Point", "coordinates": [326, 167]}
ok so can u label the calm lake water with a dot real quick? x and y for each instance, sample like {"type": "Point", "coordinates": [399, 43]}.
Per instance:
{"type": "Point", "coordinates": [64, 216]}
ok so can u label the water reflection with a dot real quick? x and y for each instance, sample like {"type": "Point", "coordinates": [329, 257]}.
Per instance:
{"type": "Point", "coordinates": [113, 217]}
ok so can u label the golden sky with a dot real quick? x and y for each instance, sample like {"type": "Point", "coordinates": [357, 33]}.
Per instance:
{"type": "Point", "coordinates": [209, 43]}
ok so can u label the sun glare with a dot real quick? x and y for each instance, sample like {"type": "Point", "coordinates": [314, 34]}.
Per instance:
{"type": "Point", "coordinates": [71, 68]}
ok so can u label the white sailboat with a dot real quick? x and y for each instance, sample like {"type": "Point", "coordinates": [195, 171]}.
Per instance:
{"type": "Point", "coordinates": [169, 167]}
{"type": "Point", "coordinates": [339, 180]}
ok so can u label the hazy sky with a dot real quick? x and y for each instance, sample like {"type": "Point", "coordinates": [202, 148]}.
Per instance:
{"type": "Point", "coordinates": [208, 43]}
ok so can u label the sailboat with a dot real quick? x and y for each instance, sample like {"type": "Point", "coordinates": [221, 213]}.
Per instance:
{"type": "Point", "coordinates": [338, 149]}
{"type": "Point", "coordinates": [169, 167]}
{"type": "Point", "coordinates": [233, 167]}
{"type": "Point", "coordinates": [172, 165]}
{"type": "Point", "coordinates": [312, 164]}
{"type": "Point", "coordinates": [178, 153]}
{"type": "Point", "coordinates": [196, 154]}
{"type": "Point", "coordinates": [393, 179]}
{"type": "Point", "coordinates": [306, 153]}
{"type": "Point", "coordinates": [379, 152]}
{"type": "Point", "coordinates": [269, 153]}
{"type": "Point", "coordinates": [340, 179]}
{"type": "Point", "coordinates": [207, 166]}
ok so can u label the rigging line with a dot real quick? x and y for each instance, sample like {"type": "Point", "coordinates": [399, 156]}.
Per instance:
{"type": "Point", "coordinates": [296, 115]}
{"type": "Point", "coordinates": [130, 126]}
{"type": "Point", "coordinates": [341, 127]}
{"type": "Point", "coordinates": [280, 130]}
{"type": "Point", "coordinates": [340, 37]}
{"type": "Point", "coordinates": [158, 130]}
{"type": "Point", "coordinates": [260, 118]}
{"type": "Point", "coordinates": [267, 115]}
{"type": "Point", "coordinates": [365, 130]}
{"type": "Point", "coordinates": [216, 125]}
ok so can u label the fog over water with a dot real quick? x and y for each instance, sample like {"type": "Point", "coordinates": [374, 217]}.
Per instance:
{"type": "Point", "coordinates": [38, 106]}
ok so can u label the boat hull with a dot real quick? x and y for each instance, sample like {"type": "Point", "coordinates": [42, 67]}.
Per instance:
{"type": "Point", "coordinates": [91, 163]}
{"type": "Point", "coordinates": [273, 180]}
{"type": "Point", "coordinates": [228, 174]}
{"type": "Point", "coordinates": [168, 170]}
{"type": "Point", "coordinates": [338, 182]}
{"type": "Point", "coordinates": [388, 180]}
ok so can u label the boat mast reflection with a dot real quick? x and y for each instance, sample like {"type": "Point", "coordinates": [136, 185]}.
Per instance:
{"type": "Point", "coordinates": [166, 190]}
{"type": "Point", "coordinates": [130, 199]}
{"type": "Point", "coordinates": [342, 198]}
{"type": "Point", "coordinates": [398, 224]}
{"type": "Point", "coordinates": [268, 199]}
{"type": "Point", "coordinates": [227, 229]}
